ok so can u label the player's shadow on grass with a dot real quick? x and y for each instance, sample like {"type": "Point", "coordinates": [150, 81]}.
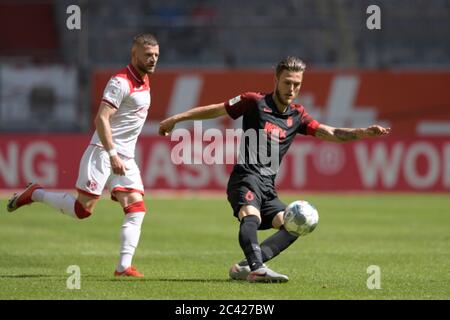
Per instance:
{"type": "Point", "coordinates": [168, 280]}
{"type": "Point", "coordinates": [18, 276]}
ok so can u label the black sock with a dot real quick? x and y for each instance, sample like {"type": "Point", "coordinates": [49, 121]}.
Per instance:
{"type": "Point", "coordinates": [272, 246]}
{"type": "Point", "coordinates": [248, 239]}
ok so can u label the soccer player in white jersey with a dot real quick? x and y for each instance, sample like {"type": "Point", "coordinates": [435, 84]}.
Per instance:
{"type": "Point", "coordinates": [109, 159]}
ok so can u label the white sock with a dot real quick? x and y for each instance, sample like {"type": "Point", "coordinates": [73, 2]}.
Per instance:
{"type": "Point", "coordinates": [61, 201]}
{"type": "Point", "coordinates": [131, 230]}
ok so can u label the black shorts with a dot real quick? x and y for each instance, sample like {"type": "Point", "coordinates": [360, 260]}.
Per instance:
{"type": "Point", "coordinates": [255, 190]}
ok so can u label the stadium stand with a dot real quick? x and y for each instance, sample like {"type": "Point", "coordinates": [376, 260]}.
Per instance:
{"type": "Point", "coordinates": [226, 33]}
{"type": "Point", "coordinates": [207, 34]}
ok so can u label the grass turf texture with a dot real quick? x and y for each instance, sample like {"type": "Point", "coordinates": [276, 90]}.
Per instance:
{"type": "Point", "coordinates": [188, 245]}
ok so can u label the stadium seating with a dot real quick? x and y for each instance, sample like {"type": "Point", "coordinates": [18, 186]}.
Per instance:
{"type": "Point", "coordinates": [227, 33]}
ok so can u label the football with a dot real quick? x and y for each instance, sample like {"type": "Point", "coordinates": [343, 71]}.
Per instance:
{"type": "Point", "coordinates": [300, 218]}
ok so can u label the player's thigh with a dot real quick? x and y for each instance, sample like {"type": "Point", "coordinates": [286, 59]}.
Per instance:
{"type": "Point", "coordinates": [244, 196]}
{"type": "Point", "coordinates": [93, 173]}
{"type": "Point", "coordinates": [129, 188]}
{"type": "Point", "coordinates": [249, 210]}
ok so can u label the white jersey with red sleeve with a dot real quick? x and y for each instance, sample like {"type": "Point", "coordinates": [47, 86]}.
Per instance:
{"type": "Point", "coordinates": [129, 93]}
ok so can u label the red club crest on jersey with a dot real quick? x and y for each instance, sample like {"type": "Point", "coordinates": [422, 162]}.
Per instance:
{"type": "Point", "coordinates": [249, 196]}
{"type": "Point", "coordinates": [289, 121]}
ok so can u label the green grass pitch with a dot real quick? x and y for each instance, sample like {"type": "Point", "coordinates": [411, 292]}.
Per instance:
{"type": "Point", "coordinates": [188, 244]}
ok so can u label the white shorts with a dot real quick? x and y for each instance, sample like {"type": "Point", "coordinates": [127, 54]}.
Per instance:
{"type": "Point", "coordinates": [95, 174]}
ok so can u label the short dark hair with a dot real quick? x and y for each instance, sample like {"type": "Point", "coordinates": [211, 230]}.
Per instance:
{"type": "Point", "coordinates": [144, 39]}
{"type": "Point", "coordinates": [290, 64]}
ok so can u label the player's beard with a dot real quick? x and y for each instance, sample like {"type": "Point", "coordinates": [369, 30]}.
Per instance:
{"type": "Point", "coordinates": [143, 68]}
{"type": "Point", "coordinates": [280, 98]}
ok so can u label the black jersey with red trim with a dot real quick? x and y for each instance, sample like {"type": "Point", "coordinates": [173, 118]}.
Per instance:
{"type": "Point", "coordinates": [274, 130]}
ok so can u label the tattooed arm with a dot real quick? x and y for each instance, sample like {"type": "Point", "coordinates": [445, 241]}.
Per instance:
{"type": "Point", "coordinates": [349, 134]}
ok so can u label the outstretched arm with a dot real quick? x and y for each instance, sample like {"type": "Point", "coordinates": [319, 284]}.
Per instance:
{"type": "Point", "coordinates": [349, 134]}
{"type": "Point", "coordinates": [199, 113]}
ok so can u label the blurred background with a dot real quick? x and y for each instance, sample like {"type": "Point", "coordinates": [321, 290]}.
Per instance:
{"type": "Point", "coordinates": [52, 79]}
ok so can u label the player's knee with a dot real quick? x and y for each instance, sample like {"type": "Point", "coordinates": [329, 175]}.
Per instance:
{"type": "Point", "coordinates": [278, 220]}
{"type": "Point", "coordinates": [88, 202]}
{"type": "Point", "coordinates": [81, 212]}
{"type": "Point", "coordinates": [249, 210]}
{"type": "Point", "coordinates": [138, 206]}
{"type": "Point", "coordinates": [251, 220]}
{"type": "Point", "coordinates": [127, 198]}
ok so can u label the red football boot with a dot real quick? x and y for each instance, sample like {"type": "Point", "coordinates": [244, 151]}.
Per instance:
{"type": "Point", "coordinates": [129, 272]}
{"type": "Point", "coordinates": [22, 198]}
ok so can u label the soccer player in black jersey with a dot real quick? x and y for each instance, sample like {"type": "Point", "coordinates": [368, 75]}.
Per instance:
{"type": "Point", "coordinates": [251, 191]}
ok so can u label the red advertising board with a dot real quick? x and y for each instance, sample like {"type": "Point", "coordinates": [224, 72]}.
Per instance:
{"type": "Point", "coordinates": [415, 157]}
{"type": "Point", "coordinates": [413, 103]}
{"type": "Point", "coordinates": [385, 164]}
